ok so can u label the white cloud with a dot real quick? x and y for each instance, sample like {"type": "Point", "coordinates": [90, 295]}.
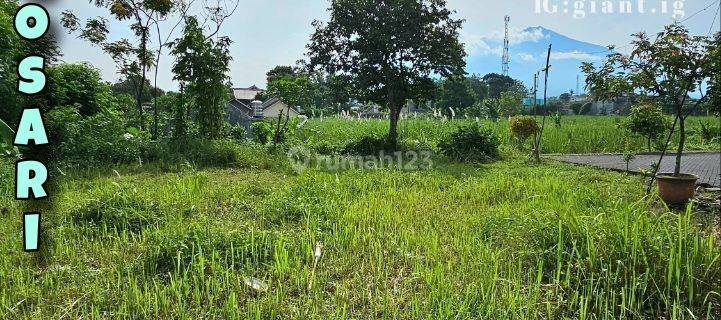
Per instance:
{"type": "Point", "coordinates": [492, 43]}
{"type": "Point", "coordinates": [526, 56]}
{"type": "Point", "coordinates": [516, 36]}
{"type": "Point", "coordinates": [477, 45]}
{"type": "Point", "coordinates": [575, 55]}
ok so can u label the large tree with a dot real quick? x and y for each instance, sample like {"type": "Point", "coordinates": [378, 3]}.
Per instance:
{"type": "Point", "coordinates": [456, 93]}
{"type": "Point", "coordinates": [391, 49]}
{"type": "Point", "coordinates": [666, 69]}
{"type": "Point", "coordinates": [333, 93]}
{"type": "Point", "coordinates": [498, 84]}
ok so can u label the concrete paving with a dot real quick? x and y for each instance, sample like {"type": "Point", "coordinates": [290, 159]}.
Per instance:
{"type": "Point", "coordinates": [706, 165]}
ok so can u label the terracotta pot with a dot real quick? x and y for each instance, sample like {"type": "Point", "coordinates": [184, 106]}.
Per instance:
{"type": "Point", "coordinates": [676, 190]}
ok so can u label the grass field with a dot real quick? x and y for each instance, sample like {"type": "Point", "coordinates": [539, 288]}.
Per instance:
{"type": "Point", "coordinates": [506, 240]}
{"type": "Point", "coordinates": [577, 134]}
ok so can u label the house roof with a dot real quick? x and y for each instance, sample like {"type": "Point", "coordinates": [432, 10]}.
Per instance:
{"type": "Point", "coordinates": [240, 105]}
{"type": "Point", "coordinates": [272, 101]}
{"type": "Point", "coordinates": [246, 93]}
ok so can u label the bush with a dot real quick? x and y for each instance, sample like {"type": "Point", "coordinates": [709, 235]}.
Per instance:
{"type": "Point", "coordinates": [471, 143]}
{"type": "Point", "coordinates": [94, 140]}
{"type": "Point", "coordinates": [199, 153]}
{"type": "Point", "coordinates": [262, 132]}
{"type": "Point", "coordinates": [648, 121]}
{"type": "Point", "coordinates": [369, 145]}
{"type": "Point", "coordinates": [523, 127]}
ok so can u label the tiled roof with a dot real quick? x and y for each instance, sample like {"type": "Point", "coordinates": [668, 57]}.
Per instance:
{"type": "Point", "coordinates": [246, 93]}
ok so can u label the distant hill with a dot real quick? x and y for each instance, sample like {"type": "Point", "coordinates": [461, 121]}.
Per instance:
{"type": "Point", "coordinates": [528, 53]}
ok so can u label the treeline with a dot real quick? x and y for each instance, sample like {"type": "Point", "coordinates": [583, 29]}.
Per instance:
{"type": "Point", "coordinates": [489, 96]}
{"type": "Point", "coordinates": [93, 122]}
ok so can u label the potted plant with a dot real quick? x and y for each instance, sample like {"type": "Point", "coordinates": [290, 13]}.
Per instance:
{"type": "Point", "coordinates": [667, 70]}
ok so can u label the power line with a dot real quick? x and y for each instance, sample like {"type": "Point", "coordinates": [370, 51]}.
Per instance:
{"type": "Point", "coordinates": [710, 29]}
{"type": "Point", "coordinates": [697, 12]}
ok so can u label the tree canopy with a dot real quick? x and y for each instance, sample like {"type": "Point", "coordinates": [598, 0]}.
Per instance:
{"type": "Point", "coordinates": [390, 49]}
{"type": "Point", "coordinates": [666, 69]}
{"type": "Point", "coordinates": [202, 66]}
{"type": "Point", "coordinates": [498, 84]}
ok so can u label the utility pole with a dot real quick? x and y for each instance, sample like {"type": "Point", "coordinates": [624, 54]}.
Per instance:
{"type": "Point", "coordinates": [537, 149]}
{"type": "Point", "coordinates": [506, 42]}
{"type": "Point", "coordinates": [535, 95]}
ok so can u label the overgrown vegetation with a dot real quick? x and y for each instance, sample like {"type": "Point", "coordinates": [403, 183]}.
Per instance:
{"type": "Point", "coordinates": [471, 143]}
{"type": "Point", "coordinates": [458, 241]}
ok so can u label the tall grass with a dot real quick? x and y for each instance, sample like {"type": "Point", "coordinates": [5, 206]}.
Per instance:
{"type": "Point", "coordinates": [577, 134]}
{"type": "Point", "coordinates": [501, 241]}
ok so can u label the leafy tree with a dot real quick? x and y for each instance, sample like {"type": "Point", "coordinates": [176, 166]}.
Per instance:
{"type": "Point", "coordinates": [714, 91]}
{"type": "Point", "coordinates": [128, 86]}
{"type": "Point", "coordinates": [491, 109]}
{"type": "Point", "coordinates": [577, 107]}
{"type": "Point", "coordinates": [133, 61]}
{"type": "Point", "coordinates": [293, 91]}
{"type": "Point", "coordinates": [648, 121]}
{"type": "Point", "coordinates": [75, 85]}
{"type": "Point", "coordinates": [202, 66]}
{"type": "Point", "coordinates": [668, 68]}
{"type": "Point", "coordinates": [456, 93]}
{"type": "Point", "coordinates": [510, 103]}
{"type": "Point", "coordinates": [12, 50]}
{"type": "Point", "coordinates": [389, 48]}
{"type": "Point", "coordinates": [565, 98]}
{"type": "Point", "coordinates": [478, 87]}
{"type": "Point", "coordinates": [280, 72]}
{"type": "Point", "coordinates": [498, 84]}
{"type": "Point", "coordinates": [333, 93]}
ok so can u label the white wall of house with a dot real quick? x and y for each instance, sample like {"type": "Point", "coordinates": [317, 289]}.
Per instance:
{"type": "Point", "coordinates": [274, 110]}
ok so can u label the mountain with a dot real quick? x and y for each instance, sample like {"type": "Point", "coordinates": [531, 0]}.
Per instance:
{"type": "Point", "coordinates": [527, 52]}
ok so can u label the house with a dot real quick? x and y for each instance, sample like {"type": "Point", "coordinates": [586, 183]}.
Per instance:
{"type": "Point", "coordinates": [246, 95]}
{"type": "Point", "coordinates": [412, 108]}
{"type": "Point", "coordinates": [244, 108]}
{"type": "Point", "coordinates": [274, 106]}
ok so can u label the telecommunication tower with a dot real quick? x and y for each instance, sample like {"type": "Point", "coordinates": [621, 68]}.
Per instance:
{"type": "Point", "coordinates": [506, 57]}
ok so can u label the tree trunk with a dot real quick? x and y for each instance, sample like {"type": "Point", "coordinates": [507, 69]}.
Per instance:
{"type": "Point", "coordinates": [143, 49]}
{"type": "Point", "coordinates": [155, 108]}
{"type": "Point", "coordinates": [681, 143]}
{"type": "Point", "coordinates": [393, 131]}
{"type": "Point", "coordinates": [648, 144]}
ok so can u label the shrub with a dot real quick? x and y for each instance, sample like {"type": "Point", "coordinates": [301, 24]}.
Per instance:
{"type": "Point", "coordinates": [262, 132]}
{"type": "Point", "coordinates": [369, 145]}
{"type": "Point", "coordinates": [523, 127]}
{"type": "Point", "coordinates": [648, 121]}
{"type": "Point", "coordinates": [708, 132]}
{"type": "Point", "coordinates": [94, 140]}
{"type": "Point", "coordinates": [471, 143]}
{"type": "Point", "coordinates": [235, 132]}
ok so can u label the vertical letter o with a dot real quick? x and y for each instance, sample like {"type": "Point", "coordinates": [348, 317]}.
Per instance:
{"type": "Point", "coordinates": [22, 21]}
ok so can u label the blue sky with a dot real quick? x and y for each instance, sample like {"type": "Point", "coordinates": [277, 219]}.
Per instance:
{"type": "Point", "coordinates": [267, 33]}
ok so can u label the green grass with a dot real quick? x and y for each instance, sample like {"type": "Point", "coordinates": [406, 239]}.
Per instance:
{"type": "Point", "coordinates": [577, 134]}
{"type": "Point", "coordinates": [507, 240]}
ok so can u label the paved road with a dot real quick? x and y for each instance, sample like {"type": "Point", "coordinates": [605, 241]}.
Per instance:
{"type": "Point", "coordinates": [705, 165]}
